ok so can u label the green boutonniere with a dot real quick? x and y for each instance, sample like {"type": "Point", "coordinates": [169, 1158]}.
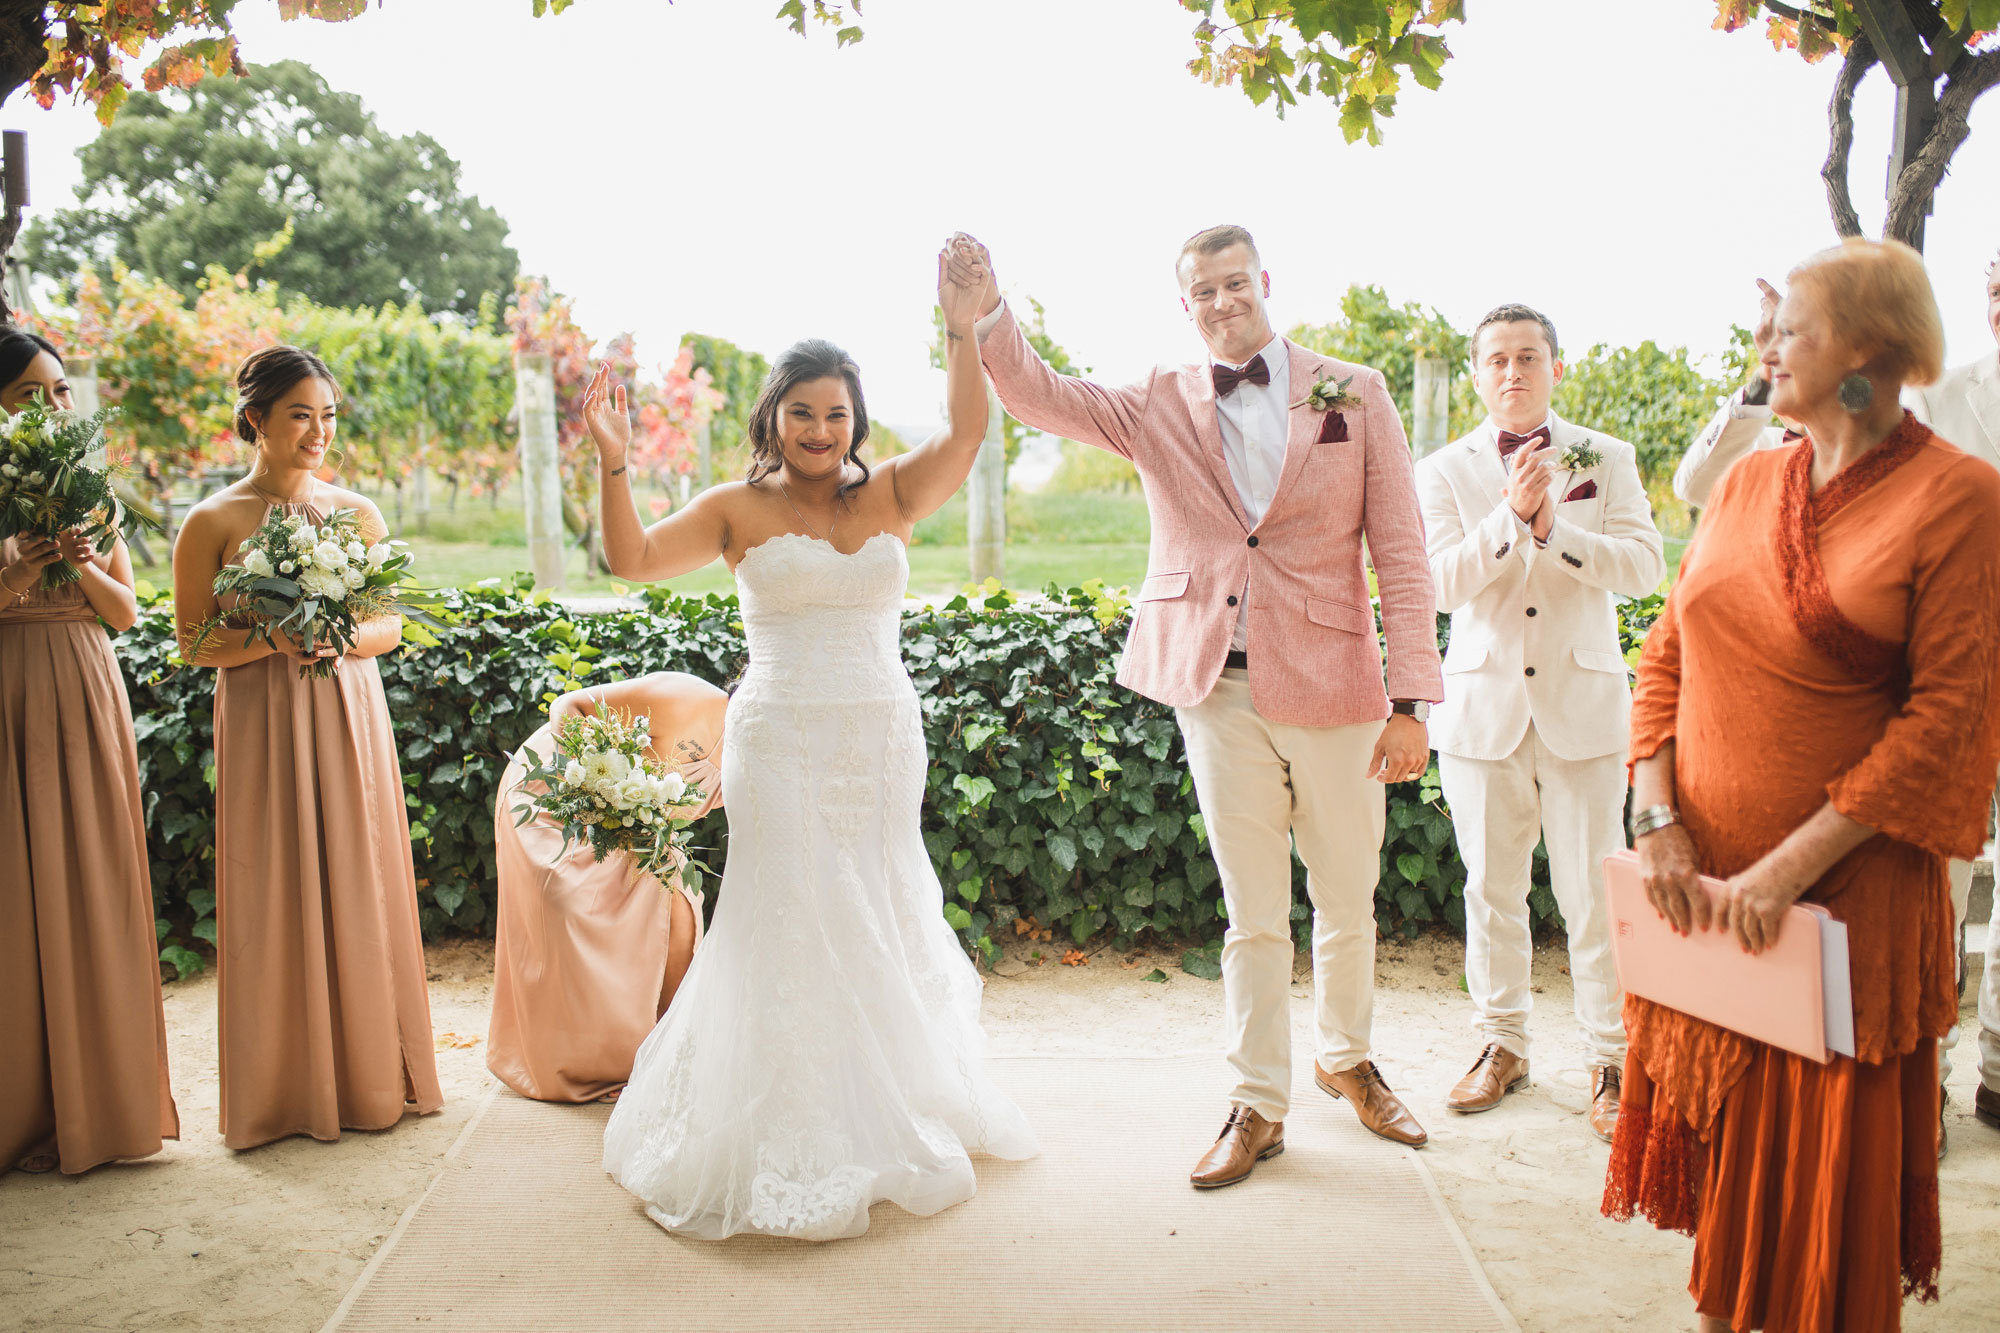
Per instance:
{"type": "Point", "coordinates": [1329, 395]}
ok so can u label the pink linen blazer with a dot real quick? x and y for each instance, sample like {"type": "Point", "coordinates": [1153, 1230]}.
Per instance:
{"type": "Point", "coordinates": [1315, 659]}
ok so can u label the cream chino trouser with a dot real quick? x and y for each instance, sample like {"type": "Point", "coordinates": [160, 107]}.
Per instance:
{"type": "Point", "coordinates": [1989, 985]}
{"type": "Point", "coordinates": [1263, 786]}
{"type": "Point", "coordinates": [1500, 808]}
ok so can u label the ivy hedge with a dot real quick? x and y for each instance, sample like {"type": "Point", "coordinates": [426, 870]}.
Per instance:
{"type": "Point", "coordinates": [1058, 802]}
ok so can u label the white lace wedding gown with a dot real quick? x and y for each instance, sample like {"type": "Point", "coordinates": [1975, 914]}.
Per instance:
{"type": "Point", "coordinates": [824, 1051]}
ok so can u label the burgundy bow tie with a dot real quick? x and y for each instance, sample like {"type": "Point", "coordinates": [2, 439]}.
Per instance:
{"type": "Point", "coordinates": [1226, 379]}
{"type": "Point", "coordinates": [1509, 441]}
{"type": "Point", "coordinates": [1793, 436]}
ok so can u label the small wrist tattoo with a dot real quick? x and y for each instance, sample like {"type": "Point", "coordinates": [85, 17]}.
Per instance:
{"type": "Point", "coordinates": [616, 472]}
{"type": "Point", "coordinates": [955, 337]}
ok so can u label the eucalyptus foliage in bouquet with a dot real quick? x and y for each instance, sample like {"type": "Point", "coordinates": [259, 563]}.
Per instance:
{"type": "Point", "coordinates": [318, 583]}
{"type": "Point", "coordinates": [602, 788]}
{"type": "Point", "coordinates": [47, 487]}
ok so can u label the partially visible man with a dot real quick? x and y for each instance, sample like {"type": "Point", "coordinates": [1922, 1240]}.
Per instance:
{"type": "Point", "coordinates": [1534, 527]}
{"type": "Point", "coordinates": [1742, 425]}
{"type": "Point", "coordinates": [1963, 406]}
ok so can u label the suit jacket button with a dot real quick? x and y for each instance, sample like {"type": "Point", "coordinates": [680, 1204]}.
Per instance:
{"type": "Point", "coordinates": [1531, 610]}
{"type": "Point", "coordinates": [1531, 671]}
{"type": "Point", "coordinates": [1253, 540]}
{"type": "Point", "coordinates": [1504, 548]}
{"type": "Point", "coordinates": [1232, 599]}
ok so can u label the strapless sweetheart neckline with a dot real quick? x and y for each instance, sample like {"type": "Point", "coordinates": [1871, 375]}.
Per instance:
{"type": "Point", "coordinates": [811, 540]}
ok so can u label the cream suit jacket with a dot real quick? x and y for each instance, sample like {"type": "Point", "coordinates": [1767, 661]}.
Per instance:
{"type": "Point", "coordinates": [1735, 430]}
{"type": "Point", "coordinates": [1534, 630]}
{"type": "Point", "coordinates": [1963, 407]}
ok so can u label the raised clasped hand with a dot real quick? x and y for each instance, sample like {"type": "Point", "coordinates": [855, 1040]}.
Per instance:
{"type": "Point", "coordinates": [971, 256]}
{"type": "Point", "coordinates": [606, 417]}
{"type": "Point", "coordinates": [1403, 751]}
{"type": "Point", "coordinates": [1758, 900]}
{"type": "Point", "coordinates": [962, 282]}
{"type": "Point", "coordinates": [1672, 880]}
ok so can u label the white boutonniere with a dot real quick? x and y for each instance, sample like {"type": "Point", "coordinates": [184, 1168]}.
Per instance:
{"type": "Point", "coordinates": [1579, 456]}
{"type": "Point", "coordinates": [1330, 395]}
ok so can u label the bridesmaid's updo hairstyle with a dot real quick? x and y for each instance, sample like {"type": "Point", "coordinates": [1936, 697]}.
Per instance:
{"type": "Point", "coordinates": [267, 375]}
{"type": "Point", "coordinates": [18, 350]}
{"type": "Point", "coordinates": [812, 359]}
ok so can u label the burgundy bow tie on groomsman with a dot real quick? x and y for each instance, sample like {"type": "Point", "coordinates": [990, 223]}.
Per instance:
{"type": "Point", "coordinates": [1226, 379]}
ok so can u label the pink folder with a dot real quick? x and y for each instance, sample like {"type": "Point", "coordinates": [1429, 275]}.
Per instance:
{"type": "Point", "coordinates": [1795, 995]}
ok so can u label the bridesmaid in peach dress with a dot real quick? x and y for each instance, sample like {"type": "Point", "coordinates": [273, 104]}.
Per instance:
{"type": "Point", "coordinates": [325, 1023]}
{"type": "Point", "coordinates": [591, 952]}
{"type": "Point", "coordinates": [84, 1042]}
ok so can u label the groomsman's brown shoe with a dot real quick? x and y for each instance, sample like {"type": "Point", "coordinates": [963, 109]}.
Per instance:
{"type": "Point", "coordinates": [1497, 1072]}
{"type": "Point", "coordinates": [1986, 1104]}
{"type": "Point", "coordinates": [1246, 1139]}
{"type": "Point", "coordinates": [1380, 1110]}
{"type": "Point", "coordinates": [1605, 1087]}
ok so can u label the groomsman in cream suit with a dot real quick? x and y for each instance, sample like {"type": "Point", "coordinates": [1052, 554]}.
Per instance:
{"type": "Point", "coordinates": [1529, 546]}
{"type": "Point", "coordinates": [1265, 467]}
{"type": "Point", "coordinates": [1964, 408]}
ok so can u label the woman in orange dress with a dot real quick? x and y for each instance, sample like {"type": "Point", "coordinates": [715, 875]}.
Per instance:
{"type": "Point", "coordinates": [84, 1043]}
{"type": "Point", "coordinates": [1818, 713]}
{"type": "Point", "coordinates": [590, 952]}
{"type": "Point", "coordinates": [325, 1024]}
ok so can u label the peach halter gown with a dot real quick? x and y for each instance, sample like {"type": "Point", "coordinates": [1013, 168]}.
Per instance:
{"type": "Point", "coordinates": [325, 1022]}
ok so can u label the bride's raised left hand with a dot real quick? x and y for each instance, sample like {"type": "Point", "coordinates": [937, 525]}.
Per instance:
{"type": "Point", "coordinates": [962, 280]}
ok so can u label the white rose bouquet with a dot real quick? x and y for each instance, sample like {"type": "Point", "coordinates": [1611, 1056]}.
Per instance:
{"type": "Point", "coordinates": [316, 582]}
{"type": "Point", "coordinates": [47, 484]}
{"type": "Point", "coordinates": [604, 790]}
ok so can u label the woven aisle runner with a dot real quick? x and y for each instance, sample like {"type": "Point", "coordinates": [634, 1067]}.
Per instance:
{"type": "Point", "coordinates": [522, 1230]}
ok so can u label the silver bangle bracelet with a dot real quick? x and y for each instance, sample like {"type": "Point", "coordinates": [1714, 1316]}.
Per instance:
{"type": "Point", "coordinates": [1652, 819]}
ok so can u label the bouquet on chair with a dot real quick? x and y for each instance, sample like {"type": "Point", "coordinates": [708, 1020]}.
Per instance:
{"type": "Point", "coordinates": [318, 583]}
{"type": "Point", "coordinates": [602, 788]}
{"type": "Point", "coordinates": [49, 484]}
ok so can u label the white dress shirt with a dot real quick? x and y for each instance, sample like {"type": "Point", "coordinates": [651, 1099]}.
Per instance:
{"type": "Point", "coordinates": [1255, 420]}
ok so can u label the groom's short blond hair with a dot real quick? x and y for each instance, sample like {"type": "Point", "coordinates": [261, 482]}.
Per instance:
{"type": "Point", "coordinates": [1211, 239]}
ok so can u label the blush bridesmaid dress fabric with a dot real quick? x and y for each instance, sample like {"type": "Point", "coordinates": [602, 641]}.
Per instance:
{"type": "Point", "coordinates": [1832, 646]}
{"type": "Point", "coordinates": [84, 1040]}
{"type": "Point", "coordinates": [581, 953]}
{"type": "Point", "coordinates": [325, 1022]}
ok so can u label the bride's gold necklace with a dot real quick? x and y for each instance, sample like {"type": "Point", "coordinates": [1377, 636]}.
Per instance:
{"type": "Point", "coordinates": [828, 539]}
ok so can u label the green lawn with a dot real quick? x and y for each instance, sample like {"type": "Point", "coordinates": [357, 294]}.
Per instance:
{"type": "Point", "coordinates": [1062, 539]}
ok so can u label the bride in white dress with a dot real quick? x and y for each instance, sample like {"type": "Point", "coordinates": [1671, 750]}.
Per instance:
{"type": "Point", "coordinates": [824, 1051]}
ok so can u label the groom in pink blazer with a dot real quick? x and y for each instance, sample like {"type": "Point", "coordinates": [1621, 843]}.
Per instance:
{"type": "Point", "coordinates": [1266, 468]}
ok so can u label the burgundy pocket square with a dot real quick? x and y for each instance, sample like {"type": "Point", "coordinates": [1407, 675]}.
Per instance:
{"type": "Point", "coordinates": [1587, 491]}
{"type": "Point", "coordinates": [1332, 429]}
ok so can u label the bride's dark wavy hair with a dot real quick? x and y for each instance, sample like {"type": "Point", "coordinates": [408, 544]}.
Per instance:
{"type": "Point", "coordinates": [811, 359]}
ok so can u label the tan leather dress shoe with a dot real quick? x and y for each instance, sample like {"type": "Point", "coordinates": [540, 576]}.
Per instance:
{"type": "Point", "coordinates": [1246, 1139]}
{"type": "Point", "coordinates": [1497, 1072]}
{"type": "Point", "coordinates": [1380, 1111]}
{"type": "Point", "coordinates": [1606, 1085]}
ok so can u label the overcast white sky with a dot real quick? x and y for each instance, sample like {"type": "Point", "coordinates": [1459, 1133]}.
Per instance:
{"type": "Point", "coordinates": [694, 166]}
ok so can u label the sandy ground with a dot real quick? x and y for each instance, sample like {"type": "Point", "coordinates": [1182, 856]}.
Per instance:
{"type": "Point", "coordinates": [201, 1237]}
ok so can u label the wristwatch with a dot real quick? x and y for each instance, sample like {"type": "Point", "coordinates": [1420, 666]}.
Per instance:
{"type": "Point", "coordinates": [1652, 819]}
{"type": "Point", "coordinates": [1416, 708]}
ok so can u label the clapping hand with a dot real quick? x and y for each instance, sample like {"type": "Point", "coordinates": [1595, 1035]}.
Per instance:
{"type": "Point", "coordinates": [607, 418]}
{"type": "Point", "coordinates": [963, 279]}
{"type": "Point", "coordinates": [1766, 331]}
{"type": "Point", "coordinates": [1529, 482]}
